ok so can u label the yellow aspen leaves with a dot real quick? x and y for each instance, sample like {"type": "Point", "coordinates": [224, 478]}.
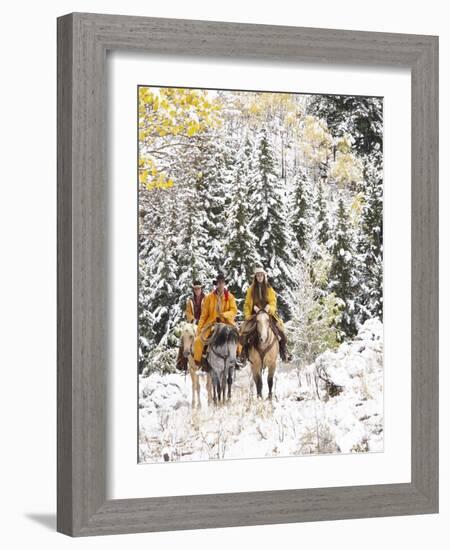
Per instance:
{"type": "Point", "coordinates": [346, 169]}
{"type": "Point", "coordinates": [166, 113]}
{"type": "Point", "coordinates": [315, 141]}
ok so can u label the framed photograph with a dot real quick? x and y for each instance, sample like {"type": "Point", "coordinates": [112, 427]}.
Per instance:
{"type": "Point", "coordinates": [247, 274]}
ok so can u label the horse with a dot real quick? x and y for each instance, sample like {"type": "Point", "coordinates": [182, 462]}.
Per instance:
{"type": "Point", "coordinates": [188, 332]}
{"type": "Point", "coordinates": [263, 349]}
{"type": "Point", "coordinates": [221, 355]}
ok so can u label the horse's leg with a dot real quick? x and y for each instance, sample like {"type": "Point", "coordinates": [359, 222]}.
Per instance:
{"type": "Point", "coordinates": [208, 387]}
{"type": "Point", "coordinates": [258, 383]}
{"type": "Point", "coordinates": [193, 383]}
{"type": "Point", "coordinates": [219, 381]}
{"type": "Point", "coordinates": [230, 381]}
{"type": "Point", "coordinates": [270, 374]}
{"type": "Point", "coordinates": [224, 383]}
{"type": "Point", "coordinates": [215, 383]}
{"type": "Point", "coordinates": [196, 388]}
{"type": "Point", "coordinates": [256, 371]}
{"type": "Point", "coordinates": [219, 390]}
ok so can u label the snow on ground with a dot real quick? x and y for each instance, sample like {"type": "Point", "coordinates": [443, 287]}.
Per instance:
{"type": "Point", "coordinates": [301, 419]}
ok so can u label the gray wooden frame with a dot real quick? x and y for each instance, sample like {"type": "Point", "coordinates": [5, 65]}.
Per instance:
{"type": "Point", "coordinates": [83, 40]}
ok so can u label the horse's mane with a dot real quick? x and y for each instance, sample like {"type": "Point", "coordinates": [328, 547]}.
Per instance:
{"type": "Point", "coordinates": [224, 334]}
{"type": "Point", "coordinates": [188, 327]}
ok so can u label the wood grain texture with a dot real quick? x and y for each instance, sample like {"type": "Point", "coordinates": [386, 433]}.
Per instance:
{"type": "Point", "coordinates": [83, 40]}
{"type": "Point", "coordinates": [64, 277]}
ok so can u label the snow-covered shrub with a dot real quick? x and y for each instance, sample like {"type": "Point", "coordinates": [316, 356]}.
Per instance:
{"type": "Point", "coordinates": [311, 329]}
{"type": "Point", "coordinates": [162, 359]}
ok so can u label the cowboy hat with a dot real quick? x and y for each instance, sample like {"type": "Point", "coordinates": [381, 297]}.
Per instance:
{"type": "Point", "coordinates": [197, 284]}
{"type": "Point", "coordinates": [220, 277]}
{"type": "Point", "coordinates": [259, 269]}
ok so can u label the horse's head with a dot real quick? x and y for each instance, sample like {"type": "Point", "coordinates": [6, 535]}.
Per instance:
{"type": "Point", "coordinates": [263, 325]}
{"type": "Point", "coordinates": [187, 337]}
{"type": "Point", "coordinates": [224, 341]}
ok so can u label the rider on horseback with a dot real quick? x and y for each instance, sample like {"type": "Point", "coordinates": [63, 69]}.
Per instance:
{"type": "Point", "coordinates": [219, 306]}
{"type": "Point", "coordinates": [193, 311]}
{"type": "Point", "coordinates": [260, 295]}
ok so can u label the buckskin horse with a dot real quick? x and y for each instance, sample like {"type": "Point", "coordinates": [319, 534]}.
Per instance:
{"type": "Point", "coordinates": [263, 349]}
{"type": "Point", "coordinates": [188, 331]}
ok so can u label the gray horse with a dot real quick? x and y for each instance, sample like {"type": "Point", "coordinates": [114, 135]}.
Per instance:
{"type": "Point", "coordinates": [222, 359]}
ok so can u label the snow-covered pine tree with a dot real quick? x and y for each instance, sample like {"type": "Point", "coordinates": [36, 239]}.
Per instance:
{"type": "Point", "coordinates": [146, 333]}
{"type": "Point", "coordinates": [269, 223]}
{"type": "Point", "coordinates": [217, 175]}
{"type": "Point", "coordinates": [342, 272]}
{"type": "Point", "coordinates": [318, 256]}
{"type": "Point", "coordinates": [361, 117]}
{"type": "Point", "coordinates": [159, 290]}
{"type": "Point", "coordinates": [240, 243]}
{"type": "Point", "coordinates": [192, 239]}
{"type": "Point", "coordinates": [323, 228]}
{"type": "Point", "coordinates": [301, 198]}
{"type": "Point", "coordinates": [370, 246]}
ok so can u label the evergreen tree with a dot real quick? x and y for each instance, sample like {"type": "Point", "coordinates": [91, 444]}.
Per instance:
{"type": "Point", "coordinates": [217, 179]}
{"type": "Point", "coordinates": [192, 240]}
{"type": "Point", "coordinates": [323, 227]}
{"type": "Point", "coordinates": [370, 247]}
{"type": "Point", "coordinates": [341, 278]}
{"type": "Point", "coordinates": [362, 117]}
{"type": "Point", "coordinates": [158, 284]}
{"type": "Point", "coordinates": [158, 270]}
{"type": "Point", "coordinates": [240, 246]}
{"type": "Point", "coordinates": [300, 211]}
{"type": "Point", "coordinates": [269, 224]}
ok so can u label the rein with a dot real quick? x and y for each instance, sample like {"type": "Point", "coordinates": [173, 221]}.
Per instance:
{"type": "Point", "coordinates": [204, 340]}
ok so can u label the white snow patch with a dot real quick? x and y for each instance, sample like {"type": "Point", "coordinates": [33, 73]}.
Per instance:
{"type": "Point", "coordinates": [301, 419]}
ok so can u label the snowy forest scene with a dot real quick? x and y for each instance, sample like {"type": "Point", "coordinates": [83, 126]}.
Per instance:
{"type": "Point", "coordinates": [260, 274]}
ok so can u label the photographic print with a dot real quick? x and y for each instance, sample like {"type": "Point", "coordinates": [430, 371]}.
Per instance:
{"type": "Point", "coordinates": [260, 285]}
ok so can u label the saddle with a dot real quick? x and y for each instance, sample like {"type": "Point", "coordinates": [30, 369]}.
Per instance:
{"type": "Point", "coordinates": [248, 336]}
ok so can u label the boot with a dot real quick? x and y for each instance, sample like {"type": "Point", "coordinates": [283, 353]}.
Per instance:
{"type": "Point", "coordinates": [204, 365]}
{"type": "Point", "coordinates": [242, 358]}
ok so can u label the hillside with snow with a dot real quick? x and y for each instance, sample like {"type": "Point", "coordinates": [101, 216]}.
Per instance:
{"type": "Point", "coordinates": [333, 405]}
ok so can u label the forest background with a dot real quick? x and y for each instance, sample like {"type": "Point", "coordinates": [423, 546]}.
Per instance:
{"type": "Point", "coordinates": [229, 180]}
